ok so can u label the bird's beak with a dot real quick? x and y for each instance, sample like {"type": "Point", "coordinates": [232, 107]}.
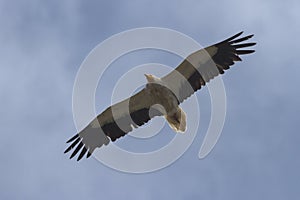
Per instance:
{"type": "Point", "coordinates": [148, 77]}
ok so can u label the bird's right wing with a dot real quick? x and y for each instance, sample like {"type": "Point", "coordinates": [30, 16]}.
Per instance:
{"type": "Point", "coordinates": [115, 122]}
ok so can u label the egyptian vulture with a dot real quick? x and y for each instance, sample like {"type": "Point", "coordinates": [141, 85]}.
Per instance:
{"type": "Point", "coordinates": [160, 96]}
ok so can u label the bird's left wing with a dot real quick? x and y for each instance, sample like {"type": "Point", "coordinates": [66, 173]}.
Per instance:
{"type": "Point", "coordinates": [203, 65]}
{"type": "Point", "coordinates": [115, 122]}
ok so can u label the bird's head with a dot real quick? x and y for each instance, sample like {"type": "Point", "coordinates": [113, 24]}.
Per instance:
{"type": "Point", "coordinates": [151, 78]}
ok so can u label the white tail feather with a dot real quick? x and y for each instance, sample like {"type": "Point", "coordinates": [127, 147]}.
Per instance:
{"type": "Point", "coordinates": [177, 121]}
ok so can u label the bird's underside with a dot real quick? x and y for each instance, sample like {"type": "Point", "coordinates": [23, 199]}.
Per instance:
{"type": "Point", "coordinates": [161, 96]}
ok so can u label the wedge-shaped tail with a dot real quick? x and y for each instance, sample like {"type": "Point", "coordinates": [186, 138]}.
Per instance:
{"type": "Point", "coordinates": [177, 121]}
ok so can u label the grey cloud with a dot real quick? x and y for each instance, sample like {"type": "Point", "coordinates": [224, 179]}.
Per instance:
{"type": "Point", "coordinates": [43, 44]}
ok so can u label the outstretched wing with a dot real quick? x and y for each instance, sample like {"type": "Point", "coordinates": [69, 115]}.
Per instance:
{"type": "Point", "coordinates": [203, 65]}
{"type": "Point", "coordinates": [115, 122]}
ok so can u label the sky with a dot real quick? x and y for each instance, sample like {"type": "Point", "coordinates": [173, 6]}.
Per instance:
{"type": "Point", "coordinates": [43, 44]}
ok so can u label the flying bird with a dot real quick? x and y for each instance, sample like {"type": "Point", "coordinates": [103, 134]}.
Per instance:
{"type": "Point", "coordinates": [160, 96]}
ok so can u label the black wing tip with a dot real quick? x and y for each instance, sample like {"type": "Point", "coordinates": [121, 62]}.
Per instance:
{"type": "Point", "coordinates": [72, 145]}
{"type": "Point", "coordinates": [234, 39]}
{"type": "Point", "coordinates": [251, 44]}
{"type": "Point", "coordinates": [235, 36]}
{"type": "Point", "coordinates": [242, 52]}
{"type": "Point", "coordinates": [73, 138]}
{"type": "Point", "coordinates": [66, 151]}
{"type": "Point", "coordinates": [88, 154]}
{"type": "Point", "coordinates": [238, 40]}
{"type": "Point", "coordinates": [79, 146]}
{"type": "Point", "coordinates": [84, 150]}
{"type": "Point", "coordinates": [82, 153]}
{"type": "Point", "coordinates": [235, 42]}
{"type": "Point", "coordinates": [243, 45]}
{"type": "Point", "coordinates": [248, 36]}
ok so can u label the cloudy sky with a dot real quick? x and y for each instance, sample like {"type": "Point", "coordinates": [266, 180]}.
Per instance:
{"type": "Point", "coordinates": [42, 47]}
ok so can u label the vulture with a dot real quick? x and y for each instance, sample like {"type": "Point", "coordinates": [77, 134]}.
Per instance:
{"type": "Point", "coordinates": [160, 96]}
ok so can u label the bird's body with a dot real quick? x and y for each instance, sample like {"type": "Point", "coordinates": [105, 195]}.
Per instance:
{"type": "Point", "coordinates": [167, 104]}
{"type": "Point", "coordinates": [164, 96]}
{"type": "Point", "coordinates": [161, 96]}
